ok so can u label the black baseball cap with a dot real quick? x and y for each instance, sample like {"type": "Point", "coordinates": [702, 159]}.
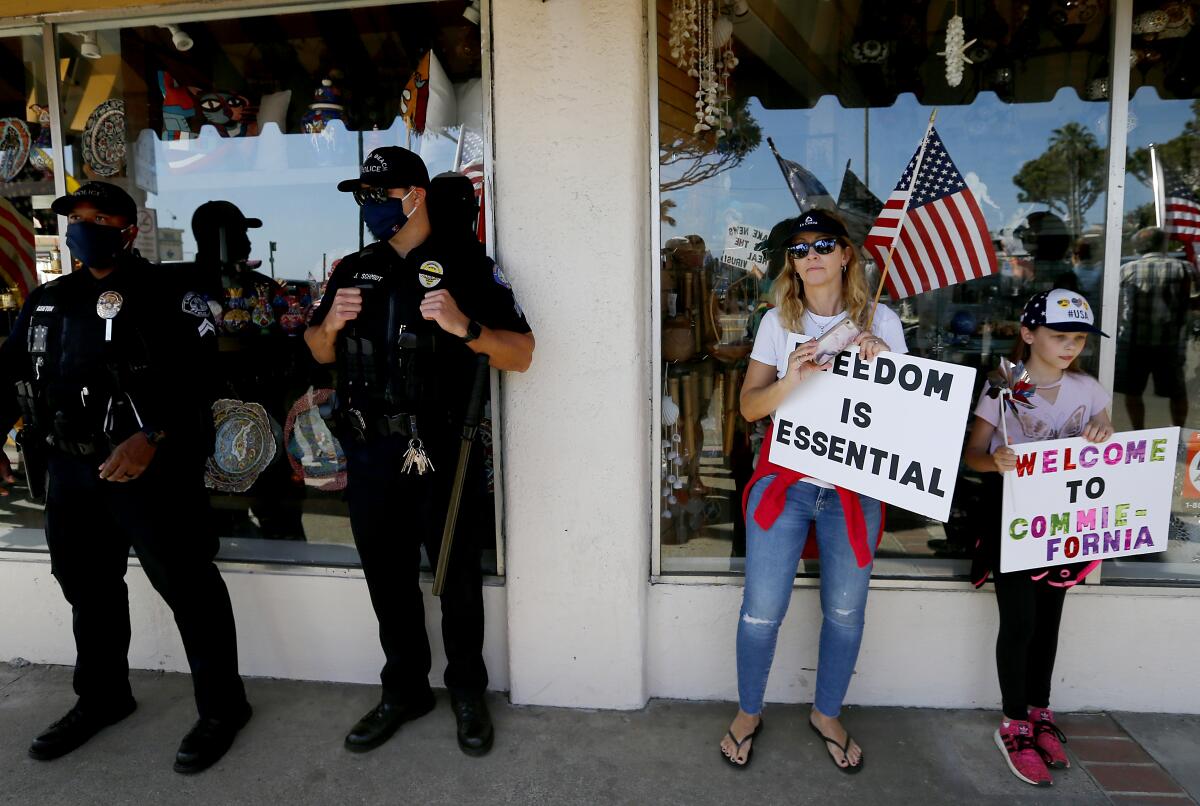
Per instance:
{"type": "Point", "coordinates": [389, 167]}
{"type": "Point", "coordinates": [215, 214]}
{"type": "Point", "coordinates": [103, 196]}
{"type": "Point", "coordinates": [1060, 309]}
{"type": "Point", "coordinates": [817, 220]}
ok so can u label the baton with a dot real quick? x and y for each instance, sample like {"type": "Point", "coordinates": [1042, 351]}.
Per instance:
{"type": "Point", "coordinates": [470, 426]}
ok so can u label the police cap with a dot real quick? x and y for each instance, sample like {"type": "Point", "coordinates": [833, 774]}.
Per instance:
{"type": "Point", "coordinates": [389, 167]}
{"type": "Point", "coordinates": [104, 197]}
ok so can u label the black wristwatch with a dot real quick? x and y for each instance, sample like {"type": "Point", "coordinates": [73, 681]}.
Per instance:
{"type": "Point", "coordinates": [474, 329]}
{"type": "Point", "coordinates": [154, 437]}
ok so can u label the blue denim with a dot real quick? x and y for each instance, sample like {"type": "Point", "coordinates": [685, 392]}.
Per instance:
{"type": "Point", "coordinates": [772, 557]}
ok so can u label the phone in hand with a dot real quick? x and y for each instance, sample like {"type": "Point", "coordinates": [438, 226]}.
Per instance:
{"type": "Point", "coordinates": [836, 339]}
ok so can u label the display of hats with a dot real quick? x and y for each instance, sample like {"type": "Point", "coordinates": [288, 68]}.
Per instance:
{"type": "Point", "coordinates": [104, 138]}
{"type": "Point", "coordinates": [245, 445]}
{"type": "Point", "coordinates": [14, 147]}
{"type": "Point", "coordinates": [313, 452]}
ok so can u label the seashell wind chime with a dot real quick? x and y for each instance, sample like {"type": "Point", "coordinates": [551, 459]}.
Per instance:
{"type": "Point", "coordinates": [672, 459]}
{"type": "Point", "coordinates": [702, 43]}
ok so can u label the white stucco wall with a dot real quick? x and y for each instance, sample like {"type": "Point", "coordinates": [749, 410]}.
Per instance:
{"type": "Point", "coordinates": [1119, 649]}
{"type": "Point", "coordinates": [572, 216]}
{"type": "Point", "coordinates": [293, 625]}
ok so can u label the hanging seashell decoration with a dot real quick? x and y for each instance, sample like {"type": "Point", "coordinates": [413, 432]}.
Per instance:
{"type": "Point", "coordinates": [702, 43]}
{"type": "Point", "coordinates": [956, 51]}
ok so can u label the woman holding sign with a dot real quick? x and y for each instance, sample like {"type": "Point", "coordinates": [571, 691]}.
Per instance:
{"type": "Point", "coordinates": [821, 296]}
{"type": "Point", "coordinates": [1046, 399]}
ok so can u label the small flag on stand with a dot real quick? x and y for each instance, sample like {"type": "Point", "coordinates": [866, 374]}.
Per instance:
{"type": "Point", "coordinates": [1183, 214]}
{"type": "Point", "coordinates": [806, 188]}
{"type": "Point", "coordinates": [932, 226]}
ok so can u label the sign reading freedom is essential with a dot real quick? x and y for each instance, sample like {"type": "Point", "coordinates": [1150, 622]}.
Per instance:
{"type": "Point", "coordinates": [1070, 500]}
{"type": "Point", "coordinates": [891, 428]}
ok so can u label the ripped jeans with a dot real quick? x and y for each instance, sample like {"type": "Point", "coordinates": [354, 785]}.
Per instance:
{"type": "Point", "coordinates": [772, 557]}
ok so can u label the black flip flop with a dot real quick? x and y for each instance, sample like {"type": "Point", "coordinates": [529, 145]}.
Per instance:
{"type": "Point", "coordinates": [737, 747]}
{"type": "Point", "coordinates": [849, 769]}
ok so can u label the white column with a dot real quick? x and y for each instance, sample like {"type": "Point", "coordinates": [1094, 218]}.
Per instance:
{"type": "Point", "coordinates": [572, 198]}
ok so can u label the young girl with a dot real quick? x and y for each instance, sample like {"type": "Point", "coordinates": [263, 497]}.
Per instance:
{"type": "Point", "coordinates": [1067, 403]}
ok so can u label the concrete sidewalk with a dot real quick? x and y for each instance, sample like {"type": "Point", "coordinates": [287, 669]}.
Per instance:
{"type": "Point", "coordinates": [291, 753]}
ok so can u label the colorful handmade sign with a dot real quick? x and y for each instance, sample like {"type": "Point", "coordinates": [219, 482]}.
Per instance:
{"type": "Point", "coordinates": [1070, 500]}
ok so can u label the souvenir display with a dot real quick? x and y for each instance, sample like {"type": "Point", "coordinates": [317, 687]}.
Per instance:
{"type": "Point", "coordinates": [245, 445]}
{"type": "Point", "coordinates": [326, 107]}
{"type": "Point", "coordinates": [104, 138]}
{"type": "Point", "coordinates": [312, 450]}
{"type": "Point", "coordinates": [178, 109]}
{"type": "Point", "coordinates": [15, 142]}
{"type": "Point", "coordinates": [39, 154]}
{"type": "Point", "coordinates": [228, 112]}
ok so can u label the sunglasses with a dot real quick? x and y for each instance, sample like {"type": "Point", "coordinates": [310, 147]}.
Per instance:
{"type": "Point", "coordinates": [824, 246]}
{"type": "Point", "coordinates": [370, 195]}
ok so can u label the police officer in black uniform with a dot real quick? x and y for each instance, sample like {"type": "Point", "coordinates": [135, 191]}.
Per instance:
{"type": "Point", "coordinates": [404, 319]}
{"type": "Point", "coordinates": [107, 366]}
{"type": "Point", "coordinates": [257, 360]}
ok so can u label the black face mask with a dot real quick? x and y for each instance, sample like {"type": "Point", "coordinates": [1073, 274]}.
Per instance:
{"type": "Point", "coordinates": [95, 245]}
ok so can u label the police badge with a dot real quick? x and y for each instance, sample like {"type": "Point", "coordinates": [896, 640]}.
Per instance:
{"type": "Point", "coordinates": [107, 307]}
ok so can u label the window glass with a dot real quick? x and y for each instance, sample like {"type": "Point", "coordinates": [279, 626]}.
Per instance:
{"type": "Point", "coordinates": [847, 94]}
{"type": "Point", "coordinates": [265, 114]}
{"type": "Point", "coordinates": [28, 242]}
{"type": "Point", "coordinates": [1157, 379]}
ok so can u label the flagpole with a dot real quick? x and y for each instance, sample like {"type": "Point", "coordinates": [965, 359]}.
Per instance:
{"type": "Point", "coordinates": [782, 170]}
{"type": "Point", "coordinates": [887, 263]}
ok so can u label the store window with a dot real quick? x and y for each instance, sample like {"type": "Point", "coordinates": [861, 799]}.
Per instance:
{"type": "Point", "coordinates": [1157, 377]}
{"type": "Point", "coordinates": [263, 114]}
{"type": "Point", "coordinates": [845, 91]}
{"type": "Point", "coordinates": [28, 236]}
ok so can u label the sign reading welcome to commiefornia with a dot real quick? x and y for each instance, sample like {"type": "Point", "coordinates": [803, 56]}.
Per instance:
{"type": "Point", "coordinates": [1070, 500]}
{"type": "Point", "coordinates": [891, 428]}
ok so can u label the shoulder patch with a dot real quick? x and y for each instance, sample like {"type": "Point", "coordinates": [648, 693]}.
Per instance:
{"type": "Point", "coordinates": [430, 273]}
{"type": "Point", "coordinates": [502, 280]}
{"type": "Point", "coordinates": [196, 305]}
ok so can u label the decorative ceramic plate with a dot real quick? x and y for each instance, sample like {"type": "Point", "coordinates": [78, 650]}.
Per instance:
{"type": "Point", "coordinates": [104, 138]}
{"type": "Point", "coordinates": [244, 447]}
{"type": "Point", "coordinates": [14, 147]}
{"type": "Point", "coordinates": [313, 451]}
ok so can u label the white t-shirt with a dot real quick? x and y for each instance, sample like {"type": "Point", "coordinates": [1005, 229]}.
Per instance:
{"type": "Point", "coordinates": [771, 343]}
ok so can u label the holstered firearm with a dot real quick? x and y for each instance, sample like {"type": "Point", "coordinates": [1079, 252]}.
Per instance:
{"type": "Point", "coordinates": [31, 443]}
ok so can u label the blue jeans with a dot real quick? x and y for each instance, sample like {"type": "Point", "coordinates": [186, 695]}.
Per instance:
{"type": "Point", "coordinates": [772, 557]}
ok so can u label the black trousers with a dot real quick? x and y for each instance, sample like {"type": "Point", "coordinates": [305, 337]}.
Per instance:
{"type": "Point", "coordinates": [91, 525]}
{"type": "Point", "coordinates": [1027, 643]}
{"type": "Point", "coordinates": [394, 514]}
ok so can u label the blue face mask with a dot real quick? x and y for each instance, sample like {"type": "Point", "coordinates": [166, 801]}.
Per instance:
{"type": "Point", "coordinates": [385, 219]}
{"type": "Point", "coordinates": [95, 245]}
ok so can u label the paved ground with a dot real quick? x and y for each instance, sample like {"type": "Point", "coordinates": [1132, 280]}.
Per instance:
{"type": "Point", "coordinates": [291, 753]}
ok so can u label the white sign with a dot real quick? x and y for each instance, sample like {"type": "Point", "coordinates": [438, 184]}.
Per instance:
{"type": "Point", "coordinates": [891, 428]}
{"type": "Point", "coordinates": [740, 253]}
{"type": "Point", "coordinates": [1070, 500]}
{"type": "Point", "coordinates": [146, 241]}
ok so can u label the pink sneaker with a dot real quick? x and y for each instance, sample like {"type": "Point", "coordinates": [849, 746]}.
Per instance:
{"type": "Point", "coordinates": [1015, 740]}
{"type": "Point", "coordinates": [1048, 738]}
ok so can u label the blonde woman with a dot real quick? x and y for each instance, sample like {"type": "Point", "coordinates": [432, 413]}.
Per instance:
{"type": "Point", "coordinates": [822, 283]}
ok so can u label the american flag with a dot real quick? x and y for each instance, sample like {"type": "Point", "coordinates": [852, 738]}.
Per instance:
{"type": "Point", "coordinates": [1183, 211]}
{"type": "Point", "coordinates": [943, 239]}
{"type": "Point", "coordinates": [474, 172]}
{"type": "Point", "coordinates": [17, 266]}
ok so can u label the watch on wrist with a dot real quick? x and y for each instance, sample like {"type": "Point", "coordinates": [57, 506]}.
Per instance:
{"type": "Point", "coordinates": [474, 329]}
{"type": "Point", "coordinates": [154, 437]}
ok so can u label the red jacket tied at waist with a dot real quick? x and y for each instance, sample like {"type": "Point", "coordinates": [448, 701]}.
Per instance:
{"type": "Point", "coordinates": [774, 499]}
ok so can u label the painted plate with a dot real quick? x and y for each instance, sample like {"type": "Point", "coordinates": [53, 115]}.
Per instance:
{"type": "Point", "coordinates": [14, 147]}
{"type": "Point", "coordinates": [245, 445]}
{"type": "Point", "coordinates": [104, 138]}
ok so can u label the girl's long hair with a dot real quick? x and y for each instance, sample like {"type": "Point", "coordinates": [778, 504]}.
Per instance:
{"type": "Point", "coordinates": [787, 292]}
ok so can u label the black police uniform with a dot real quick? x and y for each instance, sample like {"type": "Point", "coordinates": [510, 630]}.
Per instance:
{"type": "Point", "coordinates": [257, 362]}
{"type": "Point", "coordinates": [83, 395]}
{"type": "Point", "coordinates": [402, 378]}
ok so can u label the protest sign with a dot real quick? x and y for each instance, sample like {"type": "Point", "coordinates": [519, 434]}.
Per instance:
{"type": "Point", "coordinates": [891, 428]}
{"type": "Point", "coordinates": [1070, 500]}
{"type": "Point", "coordinates": [739, 252]}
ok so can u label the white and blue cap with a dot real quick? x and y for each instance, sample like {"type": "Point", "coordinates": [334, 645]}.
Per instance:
{"type": "Point", "coordinates": [1060, 309]}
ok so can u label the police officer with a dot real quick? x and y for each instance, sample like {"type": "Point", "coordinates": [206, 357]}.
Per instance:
{"type": "Point", "coordinates": [404, 319]}
{"type": "Point", "coordinates": [106, 365]}
{"type": "Point", "coordinates": [257, 360]}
